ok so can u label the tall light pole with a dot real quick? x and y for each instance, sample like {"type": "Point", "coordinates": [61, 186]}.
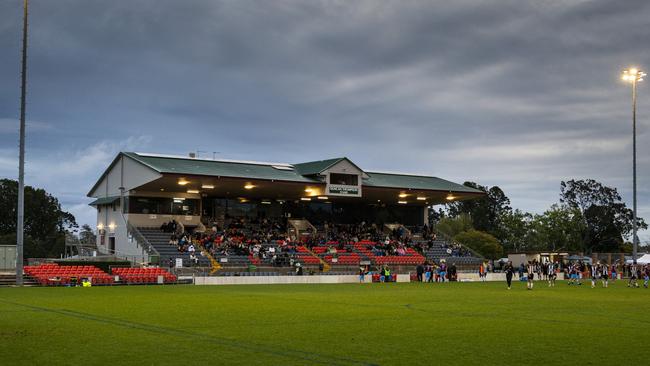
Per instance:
{"type": "Point", "coordinates": [21, 163]}
{"type": "Point", "coordinates": [633, 75]}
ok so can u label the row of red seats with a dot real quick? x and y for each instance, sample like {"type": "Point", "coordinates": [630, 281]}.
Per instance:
{"type": "Point", "coordinates": [391, 259]}
{"type": "Point", "coordinates": [320, 250]}
{"type": "Point", "coordinates": [55, 275]}
{"type": "Point", "coordinates": [143, 275]}
{"type": "Point", "coordinates": [344, 259]}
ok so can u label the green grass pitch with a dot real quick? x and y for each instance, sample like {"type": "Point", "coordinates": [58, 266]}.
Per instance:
{"type": "Point", "coordinates": [351, 324]}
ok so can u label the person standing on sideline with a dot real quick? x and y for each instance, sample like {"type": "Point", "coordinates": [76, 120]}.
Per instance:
{"type": "Point", "coordinates": [530, 275]}
{"type": "Point", "coordinates": [509, 271]}
{"type": "Point", "coordinates": [419, 270]}
{"type": "Point", "coordinates": [362, 274]}
{"type": "Point", "coordinates": [481, 272]}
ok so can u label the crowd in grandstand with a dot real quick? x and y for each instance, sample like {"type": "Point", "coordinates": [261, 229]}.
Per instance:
{"type": "Point", "coordinates": [266, 240]}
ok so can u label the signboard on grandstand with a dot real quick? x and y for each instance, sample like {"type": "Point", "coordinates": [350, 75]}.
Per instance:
{"type": "Point", "coordinates": [343, 190]}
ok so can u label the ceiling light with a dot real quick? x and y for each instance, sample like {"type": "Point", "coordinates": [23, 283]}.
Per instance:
{"type": "Point", "coordinates": [308, 190]}
{"type": "Point", "coordinates": [249, 186]}
{"type": "Point", "coordinates": [402, 202]}
{"type": "Point", "coordinates": [422, 198]}
{"type": "Point", "coordinates": [402, 195]}
{"type": "Point", "coordinates": [194, 191]}
{"type": "Point", "coordinates": [207, 186]}
{"type": "Point", "coordinates": [182, 182]}
{"type": "Point", "coordinates": [322, 197]}
{"type": "Point", "coordinates": [266, 202]}
{"type": "Point", "coordinates": [305, 199]}
{"type": "Point", "coordinates": [450, 197]}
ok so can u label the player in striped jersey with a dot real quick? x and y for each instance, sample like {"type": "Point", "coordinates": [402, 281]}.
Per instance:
{"type": "Point", "coordinates": [604, 274]}
{"type": "Point", "coordinates": [531, 274]}
{"type": "Point", "coordinates": [633, 277]}
{"type": "Point", "coordinates": [595, 273]}
{"type": "Point", "coordinates": [551, 274]}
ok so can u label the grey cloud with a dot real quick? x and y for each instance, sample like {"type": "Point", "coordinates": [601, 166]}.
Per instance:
{"type": "Point", "coordinates": [520, 94]}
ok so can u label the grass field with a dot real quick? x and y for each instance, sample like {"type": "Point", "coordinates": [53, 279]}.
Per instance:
{"type": "Point", "coordinates": [378, 324]}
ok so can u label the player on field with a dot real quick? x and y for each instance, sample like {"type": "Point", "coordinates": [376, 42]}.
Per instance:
{"type": "Point", "coordinates": [595, 273]}
{"type": "Point", "coordinates": [633, 277]}
{"type": "Point", "coordinates": [604, 274]}
{"type": "Point", "coordinates": [531, 274]}
{"type": "Point", "coordinates": [509, 271]}
{"type": "Point", "coordinates": [550, 271]}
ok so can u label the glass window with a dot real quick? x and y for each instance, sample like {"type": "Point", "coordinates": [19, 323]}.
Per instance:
{"type": "Point", "coordinates": [344, 179]}
{"type": "Point", "coordinates": [162, 206]}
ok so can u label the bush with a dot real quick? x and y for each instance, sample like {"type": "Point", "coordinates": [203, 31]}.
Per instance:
{"type": "Point", "coordinates": [482, 242]}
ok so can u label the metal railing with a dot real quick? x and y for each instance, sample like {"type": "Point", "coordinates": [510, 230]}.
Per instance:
{"type": "Point", "coordinates": [141, 240]}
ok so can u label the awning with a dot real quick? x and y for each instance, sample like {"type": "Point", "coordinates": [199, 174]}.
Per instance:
{"type": "Point", "coordinates": [104, 201]}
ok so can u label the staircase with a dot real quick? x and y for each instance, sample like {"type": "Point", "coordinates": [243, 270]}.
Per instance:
{"type": "Point", "coordinates": [300, 229]}
{"type": "Point", "coordinates": [160, 241]}
{"type": "Point", "coordinates": [9, 280]}
{"type": "Point", "coordinates": [389, 228]}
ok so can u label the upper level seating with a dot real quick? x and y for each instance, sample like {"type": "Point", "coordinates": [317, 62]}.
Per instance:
{"type": "Point", "coordinates": [54, 275]}
{"type": "Point", "coordinates": [143, 275]}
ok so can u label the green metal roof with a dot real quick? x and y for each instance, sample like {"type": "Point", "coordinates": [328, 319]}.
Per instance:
{"type": "Point", "coordinates": [315, 167]}
{"type": "Point", "coordinates": [104, 201]}
{"type": "Point", "coordinates": [299, 173]}
{"type": "Point", "coordinates": [190, 166]}
{"type": "Point", "coordinates": [394, 180]}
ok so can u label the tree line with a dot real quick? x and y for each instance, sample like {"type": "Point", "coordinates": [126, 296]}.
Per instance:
{"type": "Point", "coordinates": [589, 217]}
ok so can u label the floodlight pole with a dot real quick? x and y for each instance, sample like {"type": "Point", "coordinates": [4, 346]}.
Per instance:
{"type": "Point", "coordinates": [634, 238]}
{"type": "Point", "coordinates": [21, 164]}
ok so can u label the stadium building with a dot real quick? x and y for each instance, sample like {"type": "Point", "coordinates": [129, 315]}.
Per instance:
{"type": "Point", "coordinates": [139, 191]}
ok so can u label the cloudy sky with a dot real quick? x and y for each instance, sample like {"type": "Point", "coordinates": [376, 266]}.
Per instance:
{"type": "Point", "coordinates": [521, 94]}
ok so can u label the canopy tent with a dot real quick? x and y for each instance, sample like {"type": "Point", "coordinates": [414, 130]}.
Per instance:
{"type": "Point", "coordinates": [645, 259]}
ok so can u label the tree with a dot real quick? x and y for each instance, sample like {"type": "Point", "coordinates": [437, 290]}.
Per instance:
{"type": "Point", "coordinates": [606, 218]}
{"type": "Point", "coordinates": [486, 212]}
{"type": "Point", "coordinates": [45, 223]}
{"type": "Point", "coordinates": [481, 242]}
{"type": "Point", "coordinates": [87, 235]}
{"type": "Point", "coordinates": [452, 226]}
{"type": "Point", "coordinates": [559, 228]}
{"type": "Point", "coordinates": [515, 227]}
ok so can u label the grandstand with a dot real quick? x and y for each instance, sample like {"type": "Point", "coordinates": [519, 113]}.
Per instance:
{"type": "Point", "coordinates": [237, 215]}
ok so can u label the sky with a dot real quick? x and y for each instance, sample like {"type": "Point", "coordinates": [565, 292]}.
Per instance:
{"type": "Point", "coordinates": [520, 94]}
